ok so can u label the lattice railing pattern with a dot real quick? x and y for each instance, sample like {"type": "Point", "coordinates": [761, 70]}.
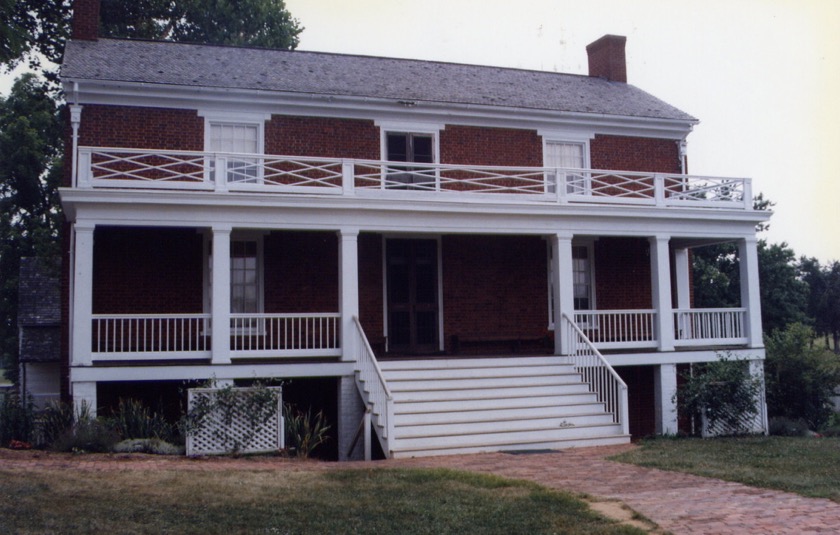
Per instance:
{"type": "Point", "coordinates": [216, 437]}
{"type": "Point", "coordinates": [709, 189]}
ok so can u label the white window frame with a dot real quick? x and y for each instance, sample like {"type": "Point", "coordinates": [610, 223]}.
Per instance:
{"type": "Point", "coordinates": [236, 236]}
{"type": "Point", "coordinates": [229, 118]}
{"type": "Point", "coordinates": [409, 127]}
{"type": "Point", "coordinates": [550, 137]}
{"type": "Point", "coordinates": [589, 243]}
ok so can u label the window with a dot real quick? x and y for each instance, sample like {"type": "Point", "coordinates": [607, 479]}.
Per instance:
{"type": "Point", "coordinates": [410, 147]}
{"type": "Point", "coordinates": [244, 277]}
{"type": "Point", "coordinates": [569, 156]}
{"type": "Point", "coordinates": [236, 139]}
{"type": "Point", "coordinates": [582, 276]}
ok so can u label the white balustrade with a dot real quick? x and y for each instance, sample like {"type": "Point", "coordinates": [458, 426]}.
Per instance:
{"type": "Point", "coordinates": [710, 326]}
{"type": "Point", "coordinates": [373, 387]}
{"type": "Point", "coordinates": [618, 328]}
{"type": "Point", "coordinates": [274, 335]}
{"type": "Point", "coordinates": [602, 379]}
{"type": "Point", "coordinates": [163, 169]}
{"type": "Point", "coordinates": [150, 336]}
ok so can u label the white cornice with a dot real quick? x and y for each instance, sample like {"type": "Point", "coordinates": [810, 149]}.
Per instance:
{"type": "Point", "coordinates": [376, 109]}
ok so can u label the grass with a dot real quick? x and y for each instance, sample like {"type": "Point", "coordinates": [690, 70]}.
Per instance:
{"type": "Point", "coordinates": [240, 501]}
{"type": "Point", "coordinates": [806, 466]}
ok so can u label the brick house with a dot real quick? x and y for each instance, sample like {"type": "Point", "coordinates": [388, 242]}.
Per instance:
{"type": "Point", "coordinates": [487, 258]}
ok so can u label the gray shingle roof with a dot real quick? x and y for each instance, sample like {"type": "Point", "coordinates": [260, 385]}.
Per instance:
{"type": "Point", "coordinates": [39, 292]}
{"type": "Point", "coordinates": [179, 64]}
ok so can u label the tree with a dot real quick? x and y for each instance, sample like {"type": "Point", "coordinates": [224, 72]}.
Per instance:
{"type": "Point", "coordinates": [31, 151]}
{"type": "Point", "coordinates": [800, 378]}
{"type": "Point", "coordinates": [32, 29]}
{"type": "Point", "coordinates": [261, 23]}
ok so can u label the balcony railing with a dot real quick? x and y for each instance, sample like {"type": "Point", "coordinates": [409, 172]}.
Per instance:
{"type": "Point", "coordinates": [185, 170]}
{"type": "Point", "coordinates": [623, 329]}
{"type": "Point", "coordinates": [274, 335]}
{"type": "Point", "coordinates": [710, 326]}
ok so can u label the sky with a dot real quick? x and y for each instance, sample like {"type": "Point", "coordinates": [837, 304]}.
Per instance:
{"type": "Point", "coordinates": [762, 76]}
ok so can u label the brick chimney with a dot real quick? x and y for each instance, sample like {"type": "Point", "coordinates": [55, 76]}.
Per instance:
{"type": "Point", "coordinates": [606, 58]}
{"type": "Point", "coordinates": [86, 19]}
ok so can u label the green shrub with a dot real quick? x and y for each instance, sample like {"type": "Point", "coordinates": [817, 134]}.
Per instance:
{"type": "Point", "coordinates": [785, 427]}
{"type": "Point", "coordinates": [724, 392]}
{"type": "Point", "coordinates": [87, 434]}
{"type": "Point", "coordinates": [17, 419]}
{"type": "Point", "coordinates": [54, 422]}
{"type": "Point", "coordinates": [304, 432]}
{"type": "Point", "coordinates": [148, 445]}
{"type": "Point", "coordinates": [800, 377]}
{"type": "Point", "coordinates": [135, 420]}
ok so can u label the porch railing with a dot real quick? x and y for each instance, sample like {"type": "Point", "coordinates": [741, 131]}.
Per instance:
{"type": "Point", "coordinates": [256, 335]}
{"type": "Point", "coordinates": [618, 329]}
{"type": "Point", "coordinates": [602, 379]}
{"type": "Point", "coordinates": [373, 387]}
{"type": "Point", "coordinates": [148, 335]}
{"type": "Point", "coordinates": [103, 167]}
{"type": "Point", "coordinates": [710, 326]}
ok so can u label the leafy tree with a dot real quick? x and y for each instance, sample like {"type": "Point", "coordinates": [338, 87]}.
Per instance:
{"type": "Point", "coordinates": [800, 378]}
{"type": "Point", "coordinates": [33, 28]}
{"type": "Point", "coordinates": [30, 149]}
{"type": "Point", "coordinates": [262, 23]}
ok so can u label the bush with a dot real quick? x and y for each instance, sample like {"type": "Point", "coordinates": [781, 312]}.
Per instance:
{"type": "Point", "coordinates": [304, 432]}
{"type": "Point", "coordinates": [148, 445]}
{"type": "Point", "coordinates": [785, 427]}
{"type": "Point", "coordinates": [87, 434]}
{"type": "Point", "coordinates": [724, 393]}
{"type": "Point", "coordinates": [134, 420]}
{"type": "Point", "coordinates": [54, 422]}
{"type": "Point", "coordinates": [800, 377]}
{"type": "Point", "coordinates": [17, 419]}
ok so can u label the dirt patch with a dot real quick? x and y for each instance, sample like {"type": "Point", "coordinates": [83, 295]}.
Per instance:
{"type": "Point", "coordinates": [618, 511]}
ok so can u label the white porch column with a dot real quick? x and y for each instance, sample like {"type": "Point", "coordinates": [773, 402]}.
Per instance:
{"type": "Point", "coordinates": [757, 372]}
{"type": "Point", "coordinates": [563, 287]}
{"type": "Point", "coordinates": [750, 294]}
{"type": "Point", "coordinates": [82, 295]}
{"type": "Point", "coordinates": [660, 282]}
{"type": "Point", "coordinates": [348, 288]}
{"type": "Point", "coordinates": [665, 386]}
{"type": "Point", "coordinates": [84, 398]}
{"type": "Point", "coordinates": [220, 288]}
{"type": "Point", "coordinates": [682, 269]}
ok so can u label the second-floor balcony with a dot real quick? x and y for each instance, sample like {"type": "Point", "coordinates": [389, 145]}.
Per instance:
{"type": "Point", "coordinates": [121, 168]}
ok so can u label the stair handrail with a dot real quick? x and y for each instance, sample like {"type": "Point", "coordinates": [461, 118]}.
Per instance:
{"type": "Point", "coordinates": [602, 378]}
{"type": "Point", "coordinates": [373, 387]}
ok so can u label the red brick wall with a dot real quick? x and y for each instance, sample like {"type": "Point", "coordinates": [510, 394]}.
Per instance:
{"type": "Point", "coordinates": [142, 128]}
{"type": "Point", "coordinates": [85, 19]}
{"type": "Point", "coordinates": [622, 273]}
{"type": "Point", "coordinates": [494, 286]}
{"type": "Point", "coordinates": [371, 306]}
{"type": "Point", "coordinates": [301, 272]}
{"type": "Point", "coordinates": [490, 146]}
{"type": "Point", "coordinates": [327, 137]}
{"type": "Point", "coordinates": [147, 271]}
{"type": "Point", "coordinates": [635, 154]}
{"type": "Point", "coordinates": [641, 399]}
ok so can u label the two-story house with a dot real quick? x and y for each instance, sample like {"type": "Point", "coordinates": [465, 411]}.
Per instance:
{"type": "Point", "coordinates": [486, 258]}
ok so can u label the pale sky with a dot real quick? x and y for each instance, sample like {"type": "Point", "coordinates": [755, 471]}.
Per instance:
{"type": "Point", "coordinates": [763, 76]}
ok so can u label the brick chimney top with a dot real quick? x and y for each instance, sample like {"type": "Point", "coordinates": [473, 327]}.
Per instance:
{"type": "Point", "coordinates": [86, 19]}
{"type": "Point", "coordinates": [606, 58]}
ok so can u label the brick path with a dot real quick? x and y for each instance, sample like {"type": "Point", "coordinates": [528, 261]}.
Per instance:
{"type": "Point", "coordinates": [679, 503]}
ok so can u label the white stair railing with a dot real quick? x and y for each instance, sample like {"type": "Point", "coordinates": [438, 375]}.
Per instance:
{"type": "Point", "coordinates": [602, 379]}
{"type": "Point", "coordinates": [373, 388]}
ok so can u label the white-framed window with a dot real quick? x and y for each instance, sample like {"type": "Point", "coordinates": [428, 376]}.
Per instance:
{"type": "Point", "coordinates": [417, 143]}
{"type": "Point", "coordinates": [568, 150]}
{"type": "Point", "coordinates": [583, 278]}
{"type": "Point", "coordinates": [233, 135]}
{"type": "Point", "coordinates": [247, 281]}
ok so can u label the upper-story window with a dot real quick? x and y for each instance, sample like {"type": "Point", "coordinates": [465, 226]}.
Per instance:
{"type": "Point", "coordinates": [231, 136]}
{"type": "Point", "coordinates": [569, 155]}
{"type": "Point", "coordinates": [410, 142]}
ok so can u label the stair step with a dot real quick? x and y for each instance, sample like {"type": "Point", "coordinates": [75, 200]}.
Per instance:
{"type": "Point", "coordinates": [483, 383]}
{"type": "Point", "coordinates": [471, 373]}
{"type": "Point", "coordinates": [517, 437]}
{"type": "Point", "coordinates": [514, 446]}
{"type": "Point", "coordinates": [490, 393]}
{"type": "Point", "coordinates": [492, 402]}
{"type": "Point", "coordinates": [403, 431]}
{"type": "Point", "coordinates": [470, 363]}
{"type": "Point", "coordinates": [496, 414]}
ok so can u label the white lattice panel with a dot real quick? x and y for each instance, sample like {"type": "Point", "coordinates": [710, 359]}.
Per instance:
{"type": "Point", "coordinates": [215, 437]}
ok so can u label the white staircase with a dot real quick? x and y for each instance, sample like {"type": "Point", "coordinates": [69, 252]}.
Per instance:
{"type": "Point", "coordinates": [451, 406]}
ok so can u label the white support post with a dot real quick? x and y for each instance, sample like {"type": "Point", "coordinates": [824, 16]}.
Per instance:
{"type": "Point", "coordinates": [75, 122]}
{"type": "Point", "coordinates": [750, 294]}
{"type": "Point", "coordinates": [82, 295]}
{"type": "Point", "coordinates": [757, 371]}
{"type": "Point", "coordinates": [348, 180]}
{"type": "Point", "coordinates": [563, 286]}
{"type": "Point", "coordinates": [660, 275]}
{"type": "Point", "coordinates": [659, 189]}
{"type": "Point", "coordinates": [665, 386]}
{"type": "Point", "coordinates": [84, 398]}
{"type": "Point", "coordinates": [682, 274]}
{"type": "Point", "coordinates": [348, 288]}
{"type": "Point", "coordinates": [220, 288]}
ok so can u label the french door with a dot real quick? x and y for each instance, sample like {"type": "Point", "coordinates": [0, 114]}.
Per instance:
{"type": "Point", "coordinates": [412, 288]}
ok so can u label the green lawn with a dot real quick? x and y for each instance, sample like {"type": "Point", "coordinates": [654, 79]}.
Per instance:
{"type": "Point", "coordinates": [285, 501]}
{"type": "Point", "coordinates": [806, 466]}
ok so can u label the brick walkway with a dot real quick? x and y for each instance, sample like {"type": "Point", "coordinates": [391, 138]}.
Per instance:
{"type": "Point", "coordinates": [679, 503]}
